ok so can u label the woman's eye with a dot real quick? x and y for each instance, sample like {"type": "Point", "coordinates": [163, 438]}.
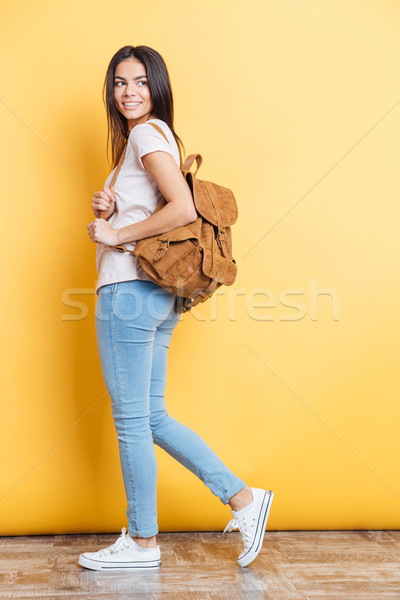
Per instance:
{"type": "Point", "coordinates": [142, 81]}
{"type": "Point", "coordinates": [118, 82]}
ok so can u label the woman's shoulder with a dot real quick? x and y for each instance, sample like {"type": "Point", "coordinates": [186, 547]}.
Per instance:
{"type": "Point", "coordinates": [146, 133]}
{"type": "Point", "coordinates": [146, 129]}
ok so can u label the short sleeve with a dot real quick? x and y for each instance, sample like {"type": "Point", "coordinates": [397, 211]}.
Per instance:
{"type": "Point", "coordinates": [144, 138]}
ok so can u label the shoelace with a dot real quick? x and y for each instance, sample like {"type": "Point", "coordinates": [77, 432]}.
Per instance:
{"type": "Point", "coordinates": [120, 543]}
{"type": "Point", "coordinates": [240, 523]}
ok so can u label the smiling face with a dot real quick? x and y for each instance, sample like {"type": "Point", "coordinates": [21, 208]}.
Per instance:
{"type": "Point", "coordinates": [132, 93]}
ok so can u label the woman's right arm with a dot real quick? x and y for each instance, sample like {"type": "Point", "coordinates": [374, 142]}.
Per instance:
{"type": "Point", "coordinates": [104, 200]}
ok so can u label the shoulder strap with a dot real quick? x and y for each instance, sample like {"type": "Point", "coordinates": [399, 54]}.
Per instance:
{"type": "Point", "coordinates": [158, 128]}
{"type": "Point", "coordinates": [121, 160]}
{"type": "Point", "coordinates": [114, 177]}
{"type": "Point", "coordinates": [187, 165]}
{"type": "Point", "coordinates": [117, 170]}
{"type": "Point", "coordinates": [163, 134]}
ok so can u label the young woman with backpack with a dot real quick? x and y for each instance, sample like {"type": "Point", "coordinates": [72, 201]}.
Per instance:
{"type": "Point", "coordinates": [135, 318]}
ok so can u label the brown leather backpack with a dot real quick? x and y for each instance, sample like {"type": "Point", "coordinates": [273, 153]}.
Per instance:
{"type": "Point", "coordinates": [194, 260]}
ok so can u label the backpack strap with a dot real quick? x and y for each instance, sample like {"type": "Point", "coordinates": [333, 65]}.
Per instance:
{"type": "Point", "coordinates": [121, 160]}
{"type": "Point", "coordinates": [187, 165]}
{"type": "Point", "coordinates": [117, 170]}
{"type": "Point", "coordinates": [158, 128]}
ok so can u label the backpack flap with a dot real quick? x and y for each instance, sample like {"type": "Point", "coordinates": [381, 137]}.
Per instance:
{"type": "Point", "coordinates": [169, 254]}
{"type": "Point", "coordinates": [213, 202]}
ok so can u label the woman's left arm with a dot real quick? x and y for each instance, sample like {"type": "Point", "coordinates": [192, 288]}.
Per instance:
{"type": "Point", "coordinates": [178, 211]}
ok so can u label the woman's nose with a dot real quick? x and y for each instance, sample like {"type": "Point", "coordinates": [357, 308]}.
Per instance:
{"type": "Point", "coordinates": [130, 90]}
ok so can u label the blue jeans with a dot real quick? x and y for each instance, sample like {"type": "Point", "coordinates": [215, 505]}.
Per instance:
{"type": "Point", "coordinates": [134, 324]}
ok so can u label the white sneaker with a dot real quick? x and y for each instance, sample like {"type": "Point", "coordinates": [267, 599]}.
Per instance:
{"type": "Point", "coordinates": [123, 555]}
{"type": "Point", "coordinates": [251, 522]}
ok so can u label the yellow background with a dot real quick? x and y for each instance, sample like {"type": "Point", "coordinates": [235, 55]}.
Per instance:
{"type": "Point", "coordinates": [295, 105]}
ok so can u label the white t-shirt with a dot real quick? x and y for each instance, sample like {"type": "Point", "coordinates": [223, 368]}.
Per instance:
{"type": "Point", "coordinates": [136, 195]}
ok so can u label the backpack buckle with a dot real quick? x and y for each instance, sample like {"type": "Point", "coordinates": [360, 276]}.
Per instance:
{"type": "Point", "coordinates": [122, 249]}
{"type": "Point", "coordinates": [182, 304]}
{"type": "Point", "coordinates": [220, 233]}
{"type": "Point", "coordinates": [161, 251]}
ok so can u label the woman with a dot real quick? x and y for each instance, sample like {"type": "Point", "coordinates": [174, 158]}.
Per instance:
{"type": "Point", "coordinates": [135, 318]}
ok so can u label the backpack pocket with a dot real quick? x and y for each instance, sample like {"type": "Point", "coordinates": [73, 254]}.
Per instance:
{"type": "Point", "coordinates": [218, 268]}
{"type": "Point", "coordinates": [174, 254]}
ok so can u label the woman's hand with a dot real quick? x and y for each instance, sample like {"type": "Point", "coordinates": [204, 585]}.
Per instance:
{"type": "Point", "coordinates": [104, 200]}
{"type": "Point", "coordinates": [102, 232]}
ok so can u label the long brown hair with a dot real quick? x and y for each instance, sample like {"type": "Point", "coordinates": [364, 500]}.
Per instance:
{"type": "Point", "coordinates": [160, 91]}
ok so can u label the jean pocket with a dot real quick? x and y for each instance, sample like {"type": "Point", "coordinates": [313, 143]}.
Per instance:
{"type": "Point", "coordinates": [103, 303]}
{"type": "Point", "coordinates": [108, 288]}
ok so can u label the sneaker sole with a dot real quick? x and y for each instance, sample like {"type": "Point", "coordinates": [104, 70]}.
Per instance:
{"type": "Point", "coordinates": [255, 548]}
{"type": "Point", "coordinates": [97, 565]}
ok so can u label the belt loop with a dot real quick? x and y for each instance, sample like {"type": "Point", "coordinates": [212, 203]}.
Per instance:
{"type": "Point", "coordinates": [114, 287]}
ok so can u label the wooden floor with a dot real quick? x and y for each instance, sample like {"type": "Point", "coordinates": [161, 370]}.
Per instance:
{"type": "Point", "coordinates": [293, 565]}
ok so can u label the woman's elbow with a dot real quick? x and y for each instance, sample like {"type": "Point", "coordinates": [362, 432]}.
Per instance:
{"type": "Point", "coordinates": [189, 215]}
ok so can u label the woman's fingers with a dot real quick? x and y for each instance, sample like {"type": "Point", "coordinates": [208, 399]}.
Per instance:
{"type": "Point", "coordinates": [110, 192]}
{"type": "Point", "coordinates": [102, 197]}
{"type": "Point", "coordinates": [100, 205]}
{"type": "Point", "coordinates": [107, 195]}
{"type": "Point", "coordinates": [92, 230]}
{"type": "Point", "coordinates": [102, 200]}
